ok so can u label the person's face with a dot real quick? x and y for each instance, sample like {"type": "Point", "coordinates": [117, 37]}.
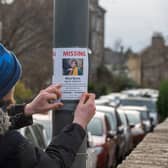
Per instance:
{"type": "Point", "coordinates": [73, 64]}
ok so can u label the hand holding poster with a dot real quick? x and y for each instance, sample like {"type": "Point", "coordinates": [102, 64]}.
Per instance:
{"type": "Point", "coordinates": [71, 70]}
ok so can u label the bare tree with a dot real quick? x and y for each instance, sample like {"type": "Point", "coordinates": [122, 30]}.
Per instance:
{"type": "Point", "coordinates": [118, 46]}
{"type": "Point", "coordinates": [27, 30]}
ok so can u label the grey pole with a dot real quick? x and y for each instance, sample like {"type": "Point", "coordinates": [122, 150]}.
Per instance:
{"type": "Point", "coordinates": [70, 30]}
{"type": "Point", "coordinates": [0, 31]}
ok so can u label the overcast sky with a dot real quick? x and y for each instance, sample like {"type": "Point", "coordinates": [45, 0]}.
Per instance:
{"type": "Point", "coordinates": [134, 21]}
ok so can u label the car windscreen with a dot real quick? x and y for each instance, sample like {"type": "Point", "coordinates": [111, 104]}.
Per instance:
{"type": "Point", "coordinates": [111, 119]}
{"type": "Point", "coordinates": [95, 127]}
{"type": "Point", "coordinates": [123, 118]}
{"type": "Point", "coordinates": [134, 118]}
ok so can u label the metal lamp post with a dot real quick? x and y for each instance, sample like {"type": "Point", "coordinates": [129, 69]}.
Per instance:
{"type": "Point", "coordinates": [70, 31]}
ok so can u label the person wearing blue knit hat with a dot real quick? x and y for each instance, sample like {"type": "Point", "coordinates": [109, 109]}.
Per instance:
{"type": "Point", "coordinates": [10, 73]}
{"type": "Point", "coordinates": [15, 150]}
{"type": "Point", "coordinates": [10, 70]}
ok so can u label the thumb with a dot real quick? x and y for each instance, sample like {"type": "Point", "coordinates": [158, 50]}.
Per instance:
{"type": "Point", "coordinates": [55, 106]}
{"type": "Point", "coordinates": [83, 98]}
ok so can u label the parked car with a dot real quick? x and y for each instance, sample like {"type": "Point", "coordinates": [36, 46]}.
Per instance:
{"type": "Point", "coordinates": [136, 125]}
{"type": "Point", "coordinates": [151, 93]}
{"type": "Point", "coordinates": [131, 92]}
{"type": "Point", "coordinates": [102, 140]}
{"type": "Point", "coordinates": [35, 134]}
{"type": "Point", "coordinates": [113, 99]}
{"type": "Point", "coordinates": [127, 131]}
{"type": "Point", "coordinates": [150, 103]}
{"type": "Point", "coordinates": [101, 101]}
{"type": "Point", "coordinates": [91, 161]}
{"type": "Point", "coordinates": [46, 121]}
{"type": "Point", "coordinates": [116, 128]}
{"type": "Point", "coordinates": [147, 122]}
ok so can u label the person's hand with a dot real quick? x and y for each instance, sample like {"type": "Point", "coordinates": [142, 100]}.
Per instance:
{"type": "Point", "coordinates": [45, 101]}
{"type": "Point", "coordinates": [85, 109]}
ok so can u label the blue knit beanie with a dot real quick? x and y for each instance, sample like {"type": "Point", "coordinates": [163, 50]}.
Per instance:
{"type": "Point", "coordinates": [10, 71]}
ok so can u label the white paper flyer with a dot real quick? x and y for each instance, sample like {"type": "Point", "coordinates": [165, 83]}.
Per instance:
{"type": "Point", "coordinates": [71, 70]}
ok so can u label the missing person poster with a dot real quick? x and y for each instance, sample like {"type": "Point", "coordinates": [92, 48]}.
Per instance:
{"type": "Point", "coordinates": [71, 70]}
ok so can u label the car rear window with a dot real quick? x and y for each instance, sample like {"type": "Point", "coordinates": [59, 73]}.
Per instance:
{"type": "Point", "coordinates": [95, 127]}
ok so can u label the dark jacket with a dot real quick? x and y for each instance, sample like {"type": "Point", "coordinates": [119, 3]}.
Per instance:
{"type": "Point", "coordinates": [16, 151]}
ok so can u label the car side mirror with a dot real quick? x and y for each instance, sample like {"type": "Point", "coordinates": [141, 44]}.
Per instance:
{"type": "Point", "coordinates": [132, 125]}
{"type": "Point", "coordinates": [111, 134]}
{"type": "Point", "coordinates": [120, 129]}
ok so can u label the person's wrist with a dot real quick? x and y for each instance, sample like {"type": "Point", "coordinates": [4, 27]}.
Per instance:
{"type": "Point", "coordinates": [28, 111]}
{"type": "Point", "coordinates": [79, 122]}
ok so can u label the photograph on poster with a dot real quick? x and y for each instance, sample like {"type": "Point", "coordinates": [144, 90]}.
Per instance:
{"type": "Point", "coordinates": [72, 67]}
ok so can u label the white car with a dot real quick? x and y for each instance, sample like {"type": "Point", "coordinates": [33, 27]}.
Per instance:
{"type": "Point", "coordinates": [46, 121]}
{"type": "Point", "coordinates": [91, 160]}
{"type": "Point", "coordinates": [144, 115]}
{"type": "Point", "coordinates": [112, 99]}
{"type": "Point", "coordinates": [35, 134]}
{"type": "Point", "coordinates": [152, 93]}
{"type": "Point", "coordinates": [150, 103]}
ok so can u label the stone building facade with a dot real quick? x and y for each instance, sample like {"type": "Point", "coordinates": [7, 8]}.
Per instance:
{"type": "Point", "coordinates": [149, 67]}
{"type": "Point", "coordinates": [96, 37]}
{"type": "Point", "coordinates": [155, 62]}
{"type": "Point", "coordinates": [134, 67]}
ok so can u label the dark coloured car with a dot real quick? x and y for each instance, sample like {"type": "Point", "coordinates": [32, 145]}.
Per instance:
{"type": "Point", "coordinates": [102, 140]}
{"type": "Point", "coordinates": [116, 128]}
{"type": "Point", "coordinates": [136, 125]}
{"type": "Point", "coordinates": [127, 131]}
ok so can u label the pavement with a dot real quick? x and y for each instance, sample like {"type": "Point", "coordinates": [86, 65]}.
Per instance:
{"type": "Point", "coordinates": [152, 152]}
